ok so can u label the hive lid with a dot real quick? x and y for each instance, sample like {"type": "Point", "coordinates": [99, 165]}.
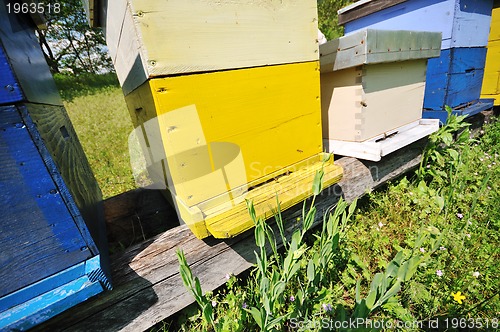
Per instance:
{"type": "Point", "coordinates": [370, 46]}
{"type": "Point", "coordinates": [363, 8]}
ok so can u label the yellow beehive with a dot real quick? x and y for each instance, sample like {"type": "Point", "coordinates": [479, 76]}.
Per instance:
{"type": "Point", "coordinates": [223, 133]}
{"type": "Point", "coordinates": [225, 97]}
{"type": "Point", "coordinates": [491, 80]}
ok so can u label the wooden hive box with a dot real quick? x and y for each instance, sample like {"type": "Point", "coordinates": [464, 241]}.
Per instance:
{"type": "Point", "coordinates": [455, 78]}
{"type": "Point", "coordinates": [225, 97]}
{"type": "Point", "coordinates": [372, 86]}
{"type": "Point", "coordinates": [158, 38]}
{"type": "Point", "coordinates": [53, 248]}
{"type": "Point", "coordinates": [491, 81]}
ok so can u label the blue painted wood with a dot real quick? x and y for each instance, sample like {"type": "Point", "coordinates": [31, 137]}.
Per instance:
{"type": "Point", "coordinates": [481, 105]}
{"type": "Point", "coordinates": [463, 23]}
{"type": "Point", "coordinates": [9, 87]}
{"type": "Point", "coordinates": [47, 305]}
{"type": "Point", "coordinates": [455, 78]}
{"type": "Point", "coordinates": [44, 242]}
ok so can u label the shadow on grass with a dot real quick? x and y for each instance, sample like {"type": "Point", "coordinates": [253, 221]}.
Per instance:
{"type": "Point", "coordinates": [73, 86]}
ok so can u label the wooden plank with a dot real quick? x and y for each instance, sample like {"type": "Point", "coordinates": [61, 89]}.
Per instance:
{"type": "Point", "coordinates": [357, 108]}
{"type": "Point", "coordinates": [10, 92]}
{"type": "Point", "coordinates": [26, 58]}
{"type": "Point", "coordinates": [463, 23]}
{"type": "Point", "coordinates": [363, 8]}
{"type": "Point", "coordinates": [375, 149]}
{"type": "Point", "coordinates": [148, 287]}
{"type": "Point", "coordinates": [205, 36]}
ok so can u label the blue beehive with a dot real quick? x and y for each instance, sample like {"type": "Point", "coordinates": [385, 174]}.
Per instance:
{"type": "Point", "coordinates": [52, 235]}
{"type": "Point", "coordinates": [455, 78]}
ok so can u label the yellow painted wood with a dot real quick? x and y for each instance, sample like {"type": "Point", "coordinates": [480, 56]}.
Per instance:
{"type": "Point", "coordinates": [222, 133]}
{"type": "Point", "coordinates": [491, 80]}
{"type": "Point", "coordinates": [289, 189]}
{"type": "Point", "coordinates": [360, 103]}
{"type": "Point", "coordinates": [188, 36]}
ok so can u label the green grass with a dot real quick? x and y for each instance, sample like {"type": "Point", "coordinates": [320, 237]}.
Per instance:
{"type": "Point", "coordinates": [403, 256]}
{"type": "Point", "coordinates": [97, 109]}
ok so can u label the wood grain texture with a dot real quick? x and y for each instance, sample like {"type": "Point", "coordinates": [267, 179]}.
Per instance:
{"type": "Point", "coordinates": [148, 287]}
{"type": "Point", "coordinates": [39, 236]}
{"type": "Point", "coordinates": [455, 78]}
{"type": "Point", "coordinates": [10, 92]}
{"type": "Point", "coordinates": [363, 102]}
{"type": "Point", "coordinates": [463, 23]}
{"type": "Point", "coordinates": [158, 38]}
{"type": "Point", "coordinates": [26, 58]}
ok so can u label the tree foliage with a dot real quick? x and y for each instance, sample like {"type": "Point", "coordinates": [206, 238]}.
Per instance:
{"type": "Point", "coordinates": [328, 19]}
{"type": "Point", "coordinates": [69, 44]}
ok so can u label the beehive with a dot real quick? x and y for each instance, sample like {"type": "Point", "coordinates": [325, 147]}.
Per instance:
{"type": "Point", "coordinates": [225, 97]}
{"type": "Point", "coordinates": [491, 81]}
{"type": "Point", "coordinates": [372, 84]}
{"type": "Point", "coordinates": [454, 79]}
{"type": "Point", "coordinates": [53, 240]}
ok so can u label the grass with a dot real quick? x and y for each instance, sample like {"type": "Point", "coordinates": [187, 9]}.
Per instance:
{"type": "Point", "coordinates": [97, 109]}
{"type": "Point", "coordinates": [424, 252]}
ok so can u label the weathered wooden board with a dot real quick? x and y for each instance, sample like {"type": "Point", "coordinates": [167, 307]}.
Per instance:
{"type": "Point", "coordinates": [463, 23]}
{"type": "Point", "coordinates": [26, 58]}
{"type": "Point", "coordinates": [148, 287]}
{"type": "Point", "coordinates": [361, 103]}
{"type": "Point", "coordinates": [210, 151]}
{"type": "Point", "coordinates": [491, 80]}
{"type": "Point", "coordinates": [455, 78]}
{"type": "Point", "coordinates": [48, 260]}
{"type": "Point", "coordinates": [157, 38]}
{"type": "Point", "coordinates": [10, 92]}
{"type": "Point", "coordinates": [369, 46]}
